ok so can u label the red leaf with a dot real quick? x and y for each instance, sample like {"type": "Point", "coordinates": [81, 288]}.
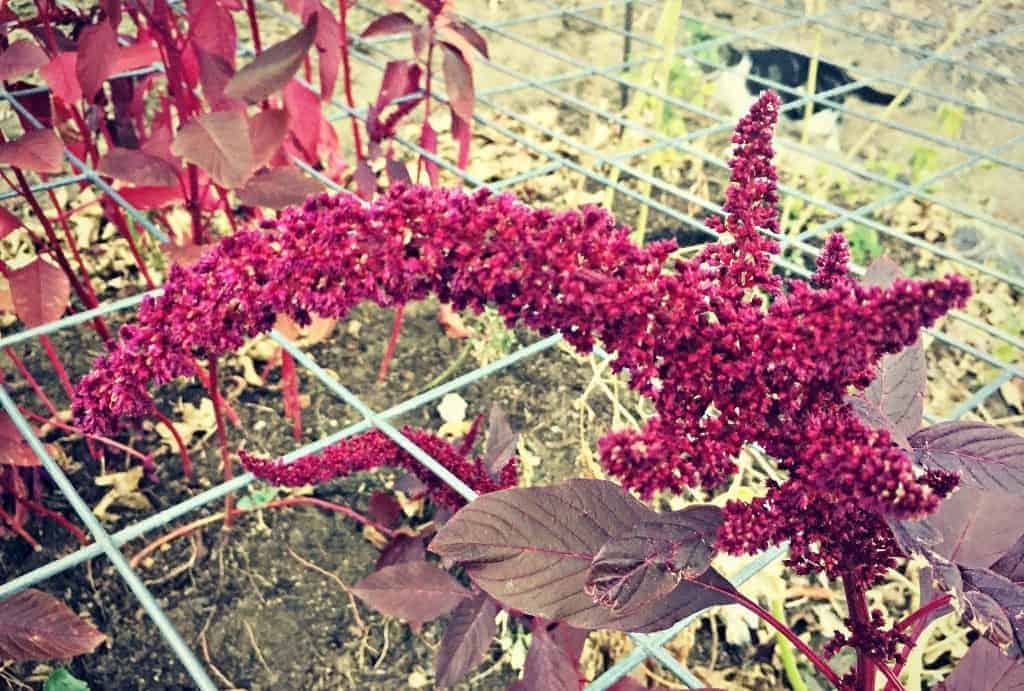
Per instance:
{"type": "Point", "coordinates": [366, 180]}
{"type": "Point", "coordinates": [41, 292]}
{"type": "Point", "coordinates": [152, 198]}
{"type": "Point", "coordinates": [458, 81]}
{"type": "Point", "coordinates": [985, 668]}
{"type": "Point", "coordinates": [273, 68]}
{"type": "Point", "coordinates": [511, 547]}
{"type": "Point", "coordinates": [466, 640]}
{"type": "Point", "coordinates": [401, 77]}
{"type": "Point", "coordinates": [470, 36]}
{"type": "Point", "coordinates": [212, 30]}
{"type": "Point", "coordinates": [397, 172]}
{"type": "Point", "coordinates": [37, 626]}
{"type": "Point", "coordinates": [60, 76]}
{"type": "Point", "coordinates": [219, 144]}
{"type": "Point", "coordinates": [415, 591]}
{"type": "Point", "coordinates": [303, 108]}
{"type": "Point", "coordinates": [97, 55]}
{"type": "Point", "coordinates": [278, 188]}
{"type": "Point", "coordinates": [393, 23]}
{"type": "Point", "coordinates": [138, 168]}
{"type": "Point", "coordinates": [401, 549]}
{"type": "Point", "coordinates": [428, 140]}
{"type": "Point", "coordinates": [14, 450]}
{"type": "Point", "coordinates": [37, 150]}
{"type": "Point", "coordinates": [547, 666]}
{"type": "Point", "coordinates": [136, 56]}
{"type": "Point", "coordinates": [986, 456]}
{"type": "Point", "coordinates": [384, 508]}
{"type": "Point", "coordinates": [328, 45]}
{"type": "Point", "coordinates": [267, 130]}
{"type": "Point", "coordinates": [462, 133]}
{"type": "Point", "coordinates": [646, 562]}
{"type": "Point", "coordinates": [21, 58]}
{"type": "Point", "coordinates": [214, 75]}
{"type": "Point", "coordinates": [8, 222]}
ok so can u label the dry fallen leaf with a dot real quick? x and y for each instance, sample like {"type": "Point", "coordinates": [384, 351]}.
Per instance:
{"type": "Point", "coordinates": [124, 492]}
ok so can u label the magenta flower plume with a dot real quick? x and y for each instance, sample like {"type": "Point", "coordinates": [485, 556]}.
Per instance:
{"type": "Point", "coordinates": [728, 353]}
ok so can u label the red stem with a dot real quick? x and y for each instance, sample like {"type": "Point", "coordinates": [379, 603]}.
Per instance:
{"type": "Point", "coordinates": [254, 27]}
{"type": "Point", "coordinates": [222, 441]}
{"type": "Point", "coordinates": [186, 461]}
{"type": "Point", "coordinates": [56, 517]}
{"type": "Point", "coordinates": [86, 283]}
{"type": "Point", "coordinates": [346, 75]}
{"type": "Point", "coordinates": [920, 621]}
{"type": "Point", "coordinates": [790, 635]}
{"type": "Point", "coordinates": [924, 611]}
{"type": "Point", "coordinates": [19, 529]}
{"type": "Point", "coordinates": [27, 376]}
{"type": "Point", "coordinates": [290, 392]}
{"type": "Point", "coordinates": [229, 411]}
{"type": "Point", "coordinates": [62, 374]}
{"type": "Point", "coordinates": [858, 606]}
{"type": "Point", "coordinates": [88, 435]}
{"type": "Point", "coordinates": [396, 328]}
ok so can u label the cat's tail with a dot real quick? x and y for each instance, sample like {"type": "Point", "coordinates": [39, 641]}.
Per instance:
{"type": "Point", "coordinates": [878, 98]}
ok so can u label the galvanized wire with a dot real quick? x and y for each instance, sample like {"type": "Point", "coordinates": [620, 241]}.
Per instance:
{"type": "Point", "coordinates": [557, 87]}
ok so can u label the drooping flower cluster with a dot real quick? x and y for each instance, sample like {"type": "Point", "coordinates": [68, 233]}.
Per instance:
{"type": "Point", "coordinates": [727, 352]}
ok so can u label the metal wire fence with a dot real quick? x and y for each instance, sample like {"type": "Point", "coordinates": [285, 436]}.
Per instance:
{"type": "Point", "coordinates": [958, 60]}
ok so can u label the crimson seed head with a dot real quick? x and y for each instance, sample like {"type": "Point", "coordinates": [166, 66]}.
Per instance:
{"type": "Point", "coordinates": [723, 368]}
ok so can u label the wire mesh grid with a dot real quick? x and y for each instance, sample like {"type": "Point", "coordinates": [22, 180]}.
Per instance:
{"type": "Point", "coordinates": [959, 63]}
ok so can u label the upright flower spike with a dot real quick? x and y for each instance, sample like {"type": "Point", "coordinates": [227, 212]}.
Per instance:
{"type": "Point", "coordinates": [722, 369]}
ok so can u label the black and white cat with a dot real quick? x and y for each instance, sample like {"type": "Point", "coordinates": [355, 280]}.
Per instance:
{"type": "Point", "coordinates": [736, 88]}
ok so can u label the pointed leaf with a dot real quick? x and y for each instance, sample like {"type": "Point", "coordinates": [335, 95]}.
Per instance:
{"type": "Point", "coordinates": [138, 168]}
{"type": "Point", "coordinates": [37, 150]}
{"type": "Point", "coordinates": [219, 144]}
{"type": "Point", "coordinates": [985, 668]}
{"type": "Point", "coordinates": [60, 75]}
{"type": "Point", "coordinates": [470, 36]}
{"type": "Point", "coordinates": [462, 133]}
{"type": "Point", "coordinates": [646, 562]}
{"type": "Point", "coordinates": [8, 222]}
{"type": "Point", "coordinates": [986, 456]}
{"type": "Point", "coordinates": [531, 549]}
{"type": "Point", "coordinates": [41, 292]}
{"type": "Point", "coordinates": [397, 172]}
{"type": "Point", "coordinates": [393, 23]}
{"type": "Point", "coordinates": [278, 188]}
{"type": "Point", "coordinates": [428, 140]}
{"type": "Point", "coordinates": [365, 179]}
{"type": "Point", "coordinates": [21, 58]}
{"type": "Point", "coordinates": [151, 198]}
{"type": "Point", "coordinates": [136, 56]}
{"type": "Point", "coordinates": [267, 130]}
{"type": "Point", "coordinates": [415, 591]}
{"type": "Point", "coordinates": [547, 666]}
{"type": "Point", "coordinates": [273, 68]}
{"type": "Point", "coordinates": [303, 108]}
{"type": "Point", "coordinates": [999, 615]}
{"type": "Point", "coordinates": [501, 441]}
{"type": "Point", "coordinates": [328, 45]}
{"type": "Point", "coordinates": [61, 679]}
{"type": "Point", "coordinates": [14, 450]}
{"type": "Point", "coordinates": [400, 549]}
{"type": "Point", "coordinates": [97, 54]}
{"type": "Point", "coordinates": [458, 81]}
{"type": "Point", "coordinates": [1011, 564]}
{"type": "Point", "coordinates": [466, 640]}
{"type": "Point", "coordinates": [38, 626]}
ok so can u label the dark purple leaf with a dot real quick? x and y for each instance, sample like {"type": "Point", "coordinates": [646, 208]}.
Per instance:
{"type": "Point", "coordinates": [397, 171]}
{"type": "Point", "coordinates": [272, 69]}
{"type": "Point", "coordinates": [393, 23]}
{"type": "Point", "coordinates": [914, 537]}
{"type": "Point", "coordinates": [415, 591]}
{"type": "Point", "coordinates": [985, 668]}
{"type": "Point", "coordinates": [977, 527]}
{"type": "Point", "coordinates": [401, 549]}
{"type": "Point", "coordinates": [458, 81]}
{"type": "Point", "coordinates": [37, 150]}
{"type": "Point", "coordinates": [531, 549]}
{"type": "Point", "coordinates": [986, 456]}
{"type": "Point", "coordinates": [21, 58]}
{"type": "Point", "coordinates": [278, 188]}
{"type": "Point", "coordinates": [97, 55]}
{"type": "Point", "coordinates": [470, 36]}
{"type": "Point", "coordinates": [547, 666]}
{"type": "Point", "coordinates": [645, 563]}
{"type": "Point", "coordinates": [501, 441]}
{"type": "Point", "coordinates": [999, 615]}
{"type": "Point", "coordinates": [41, 292]}
{"type": "Point", "coordinates": [385, 509]}
{"type": "Point", "coordinates": [138, 168]}
{"type": "Point", "coordinates": [219, 144]}
{"type": "Point", "coordinates": [38, 626]}
{"type": "Point", "coordinates": [1011, 564]}
{"type": "Point", "coordinates": [466, 640]}
{"type": "Point", "coordinates": [571, 639]}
